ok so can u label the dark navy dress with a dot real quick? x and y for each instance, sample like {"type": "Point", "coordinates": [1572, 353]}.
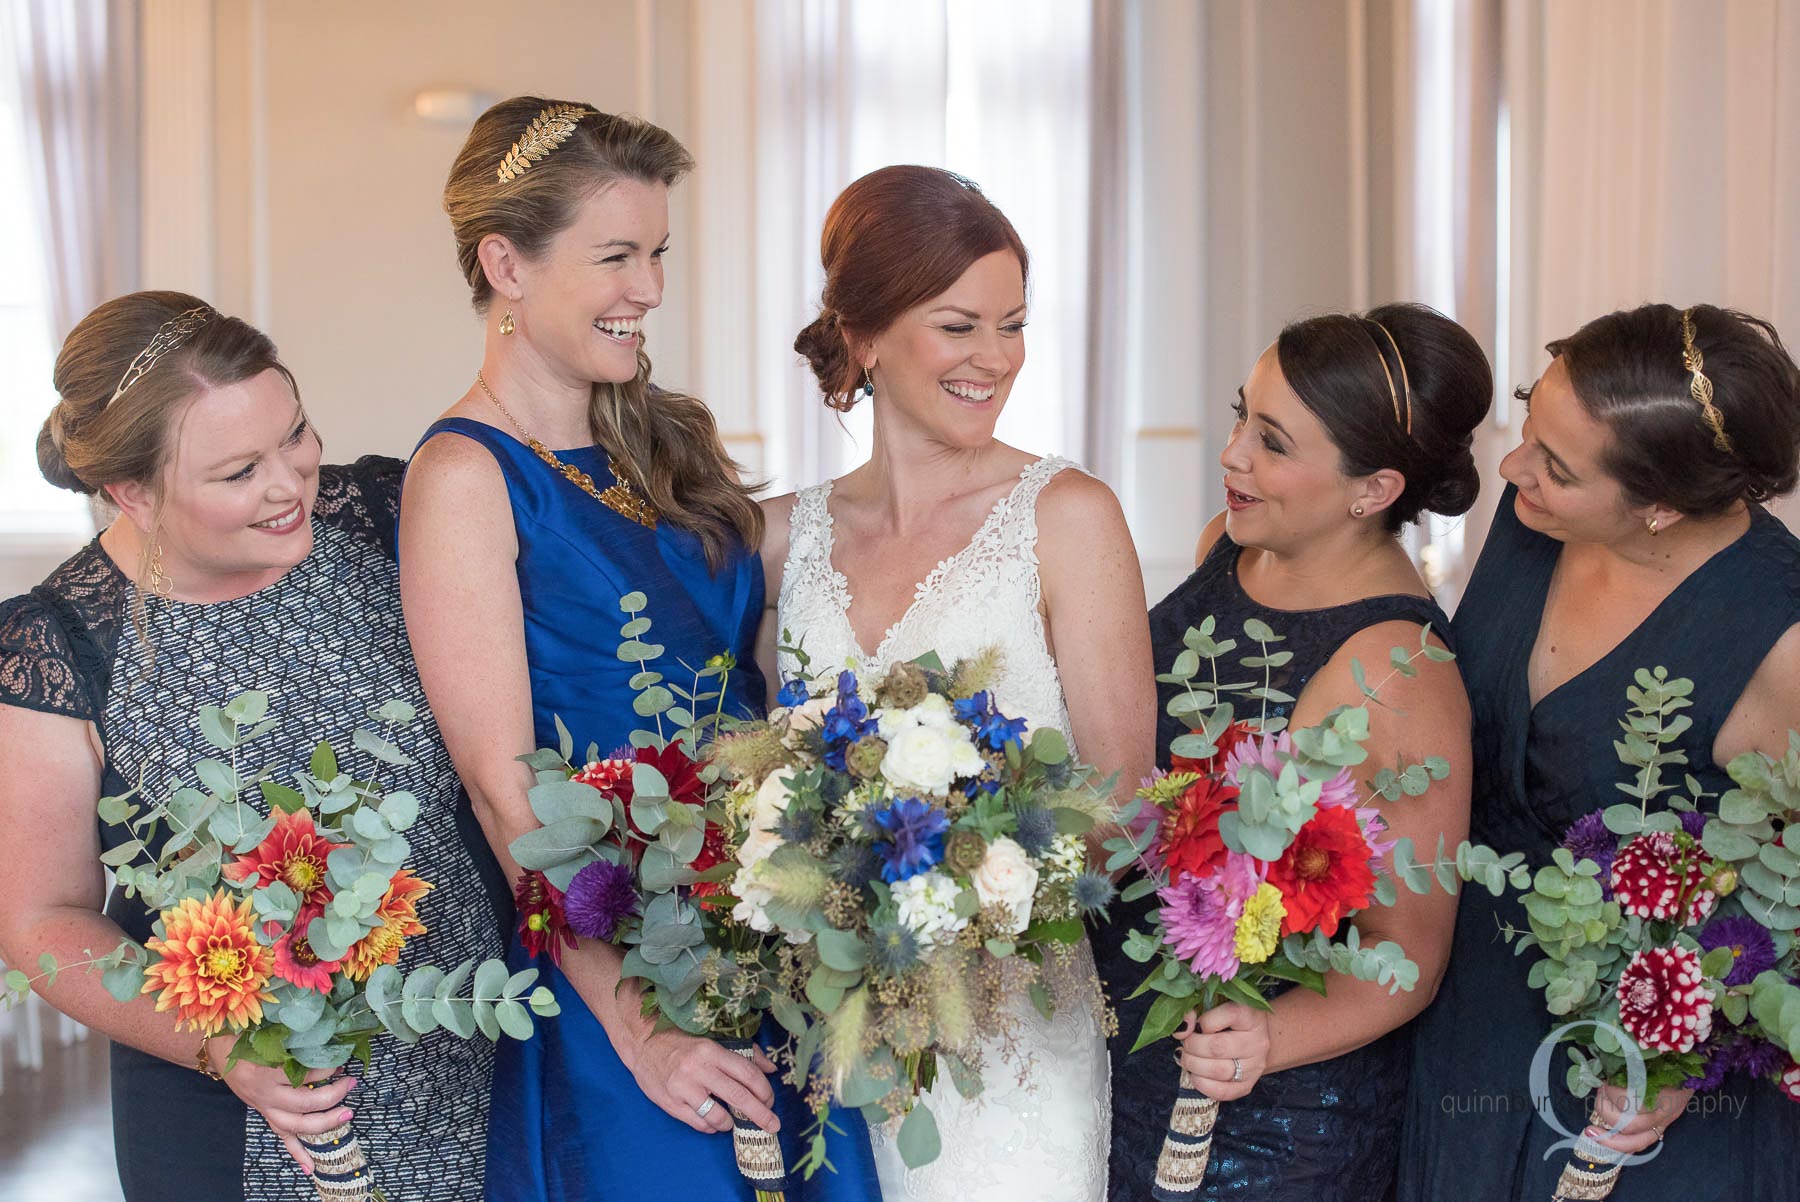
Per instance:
{"type": "Point", "coordinates": [1318, 1132]}
{"type": "Point", "coordinates": [569, 1122]}
{"type": "Point", "coordinates": [1472, 1129]}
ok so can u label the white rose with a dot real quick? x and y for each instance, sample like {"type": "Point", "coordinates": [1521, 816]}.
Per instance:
{"type": "Point", "coordinates": [765, 813]}
{"type": "Point", "coordinates": [1007, 877]}
{"type": "Point", "coordinates": [928, 758]}
{"type": "Point", "coordinates": [934, 711]}
{"type": "Point", "coordinates": [754, 897]}
{"type": "Point", "coordinates": [927, 907]}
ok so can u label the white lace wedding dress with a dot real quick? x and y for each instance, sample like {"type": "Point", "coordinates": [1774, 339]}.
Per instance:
{"type": "Point", "coordinates": [1041, 1126]}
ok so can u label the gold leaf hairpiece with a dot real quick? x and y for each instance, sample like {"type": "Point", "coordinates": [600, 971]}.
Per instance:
{"type": "Point", "coordinates": [1700, 387]}
{"type": "Point", "coordinates": [548, 130]}
{"type": "Point", "coordinates": [169, 337]}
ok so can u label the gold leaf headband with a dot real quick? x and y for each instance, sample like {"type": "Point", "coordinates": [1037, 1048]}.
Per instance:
{"type": "Point", "coordinates": [548, 130]}
{"type": "Point", "coordinates": [1700, 387]}
{"type": "Point", "coordinates": [1403, 420]}
{"type": "Point", "coordinates": [169, 337]}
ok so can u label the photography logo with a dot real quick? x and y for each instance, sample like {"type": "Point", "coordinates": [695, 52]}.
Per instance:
{"type": "Point", "coordinates": [1575, 1141]}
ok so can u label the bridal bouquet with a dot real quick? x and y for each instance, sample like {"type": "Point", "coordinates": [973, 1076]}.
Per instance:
{"type": "Point", "coordinates": [1260, 845]}
{"type": "Point", "coordinates": [285, 925]}
{"type": "Point", "coordinates": [920, 856]}
{"type": "Point", "coordinates": [1670, 934]}
{"type": "Point", "coordinates": [633, 851]}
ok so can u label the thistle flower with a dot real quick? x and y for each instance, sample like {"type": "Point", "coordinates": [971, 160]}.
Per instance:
{"type": "Point", "coordinates": [893, 949]}
{"type": "Point", "coordinates": [1093, 892]}
{"type": "Point", "coordinates": [601, 896]}
{"type": "Point", "coordinates": [1037, 830]}
{"type": "Point", "coordinates": [855, 864]}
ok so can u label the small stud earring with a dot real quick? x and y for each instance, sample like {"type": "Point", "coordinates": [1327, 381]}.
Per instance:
{"type": "Point", "coordinates": [1356, 511]}
{"type": "Point", "coordinates": [868, 387]}
{"type": "Point", "coordinates": [1655, 525]}
{"type": "Point", "coordinates": [506, 323]}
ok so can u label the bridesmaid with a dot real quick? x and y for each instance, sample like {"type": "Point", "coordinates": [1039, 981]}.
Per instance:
{"type": "Point", "coordinates": [1349, 428]}
{"type": "Point", "coordinates": [514, 559]}
{"type": "Point", "coordinates": [236, 561]}
{"type": "Point", "coordinates": [1632, 534]}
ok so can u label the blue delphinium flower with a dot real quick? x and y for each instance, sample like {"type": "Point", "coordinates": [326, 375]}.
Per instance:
{"type": "Point", "coordinates": [845, 722]}
{"type": "Point", "coordinates": [911, 837]}
{"type": "Point", "coordinates": [992, 728]}
{"type": "Point", "coordinates": [792, 693]}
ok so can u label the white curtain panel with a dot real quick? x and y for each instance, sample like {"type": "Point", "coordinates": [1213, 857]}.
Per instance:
{"type": "Point", "coordinates": [72, 64]}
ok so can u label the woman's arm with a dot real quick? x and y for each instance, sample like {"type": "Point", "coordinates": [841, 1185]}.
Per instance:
{"type": "Point", "coordinates": [52, 888]}
{"type": "Point", "coordinates": [777, 513]}
{"type": "Point", "coordinates": [1093, 594]}
{"type": "Point", "coordinates": [459, 589]}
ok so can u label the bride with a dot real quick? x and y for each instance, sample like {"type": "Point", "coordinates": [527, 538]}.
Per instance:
{"type": "Point", "coordinates": [948, 540]}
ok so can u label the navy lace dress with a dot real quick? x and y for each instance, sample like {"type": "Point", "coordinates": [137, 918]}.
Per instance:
{"type": "Point", "coordinates": [326, 641]}
{"type": "Point", "coordinates": [1318, 1132]}
{"type": "Point", "coordinates": [1472, 1127]}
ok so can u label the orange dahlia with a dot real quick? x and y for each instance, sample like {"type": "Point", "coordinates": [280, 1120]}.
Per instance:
{"type": "Point", "coordinates": [397, 920]}
{"type": "Point", "coordinates": [1325, 872]}
{"type": "Point", "coordinates": [208, 966]}
{"type": "Point", "coordinates": [294, 853]}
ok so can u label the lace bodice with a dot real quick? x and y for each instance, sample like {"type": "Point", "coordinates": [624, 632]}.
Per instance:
{"type": "Point", "coordinates": [985, 595]}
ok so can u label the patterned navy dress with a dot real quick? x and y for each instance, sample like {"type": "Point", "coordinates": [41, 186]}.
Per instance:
{"type": "Point", "coordinates": [1323, 1131]}
{"type": "Point", "coordinates": [1472, 1125]}
{"type": "Point", "coordinates": [326, 641]}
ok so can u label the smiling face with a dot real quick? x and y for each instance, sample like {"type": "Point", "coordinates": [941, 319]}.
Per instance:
{"type": "Point", "coordinates": [238, 493]}
{"type": "Point", "coordinates": [1284, 484]}
{"type": "Point", "coordinates": [947, 365]}
{"type": "Point", "coordinates": [584, 299]}
{"type": "Point", "coordinates": [1563, 490]}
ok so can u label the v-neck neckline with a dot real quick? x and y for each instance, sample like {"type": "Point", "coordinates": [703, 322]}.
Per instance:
{"type": "Point", "coordinates": [926, 587]}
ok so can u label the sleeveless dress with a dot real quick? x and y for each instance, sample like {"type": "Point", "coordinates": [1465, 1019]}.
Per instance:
{"type": "Point", "coordinates": [1044, 1137]}
{"type": "Point", "coordinates": [1329, 1130]}
{"type": "Point", "coordinates": [569, 1121]}
{"type": "Point", "coordinates": [327, 642]}
{"type": "Point", "coordinates": [1472, 1129]}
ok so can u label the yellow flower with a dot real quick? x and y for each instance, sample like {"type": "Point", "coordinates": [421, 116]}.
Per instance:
{"type": "Point", "coordinates": [1259, 928]}
{"type": "Point", "coordinates": [208, 966]}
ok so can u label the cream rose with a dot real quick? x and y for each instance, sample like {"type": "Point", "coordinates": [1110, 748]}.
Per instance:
{"type": "Point", "coordinates": [765, 813]}
{"type": "Point", "coordinates": [1007, 877]}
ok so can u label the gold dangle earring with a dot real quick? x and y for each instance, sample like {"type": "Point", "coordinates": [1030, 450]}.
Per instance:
{"type": "Point", "coordinates": [158, 579]}
{"type": "Point", "coordinates": [506, 322]}
{"type": "Point", "coordinates": [1655, 525]}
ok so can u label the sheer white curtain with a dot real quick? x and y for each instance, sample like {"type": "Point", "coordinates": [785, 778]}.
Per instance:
{"type": "Point", "coordinates": [997, 90]}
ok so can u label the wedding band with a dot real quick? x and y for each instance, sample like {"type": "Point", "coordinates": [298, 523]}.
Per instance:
{"type": "Point", "coordinates": [704, 1108]}
{"type": "Point", "coordinates": [1658, 1131]}
{"type": "Point", "coordinates": [1237, 1069]}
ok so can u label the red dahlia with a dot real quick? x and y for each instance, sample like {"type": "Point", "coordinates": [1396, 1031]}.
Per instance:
{"type": "Point", "coordinates": [1325, 872]}
{"type": "Point", "coordinates": [1214, 764]}
{"type": "Point", "coordinates": [1789, 1081]}
{"type": "Point", "coordinates": [1190, 840]}
{"type": "Point", "coordinates": [1663, 999]}
{"type": "Point", "coordinates": [542, 924]}
{"type": "Point", "coordinates": [1654, 874]}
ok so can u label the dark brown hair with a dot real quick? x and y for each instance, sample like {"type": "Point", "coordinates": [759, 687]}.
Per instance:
{"type": "Point", "coordinates": [1626, 369]}
{"type": "Point", "coordinates": [667, 441]}
{"type": "Point", "coordinates": [1340, 366]}
{"type": "Point", "coordinates": [893, 239]}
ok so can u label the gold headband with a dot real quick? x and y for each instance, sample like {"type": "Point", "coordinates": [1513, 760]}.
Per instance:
{"type": "Point", "coordinates": [1700, 388]}
{"type": "Point", "coordinates": [548, 130]}
{"type": "Point", "coordinates": [1403, 421]}
{"type": "Point", "coordinates": [169, 337]}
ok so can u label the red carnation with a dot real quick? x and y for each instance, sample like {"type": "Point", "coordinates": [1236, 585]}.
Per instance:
{"type": "Point", "coordinates": [1663, 999]}
{"type": "Point", "coordinates": [1325, 872]}
{"type": "Point", "coordinates": [542, 925]}
{"type": "Point", "coordinates": [1190, 840]}
{"type": "Point", "coordinates": [1214, 764]}
{"type": "Point", "coordinates": [1654, 874]}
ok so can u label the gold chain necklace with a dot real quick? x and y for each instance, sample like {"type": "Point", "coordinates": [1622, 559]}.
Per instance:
{"type": "Point", "coordinates": [621, 498]}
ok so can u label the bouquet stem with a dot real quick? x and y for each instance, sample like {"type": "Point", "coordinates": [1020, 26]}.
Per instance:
{"type": "Point", "coordinates": [1181, 1166]}
{"type": "Point", "coordinates": [340, 1170]}
{"type": "Point", "coordinates": [1592, 1171]}
{"type": "Point", "coordinates": [758, 1152]}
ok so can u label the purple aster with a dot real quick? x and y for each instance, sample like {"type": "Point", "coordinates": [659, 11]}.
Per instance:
{"type": "Point", "coordinates": [910, 837]}
{"type": "Point", "coordinates": [1589, 839]}
{"type": "Point", "coordinates": [601, 896]}
{"type": "Point", "coordinates": [991, 727]}
{"type": "Point", "coordinates": [1694, 823]}
{"type": "Point", "coordinates": [1752, 948]}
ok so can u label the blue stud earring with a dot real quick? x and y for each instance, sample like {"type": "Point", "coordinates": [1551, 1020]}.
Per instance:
{"type": "Point", "coordinates": [868, 388]}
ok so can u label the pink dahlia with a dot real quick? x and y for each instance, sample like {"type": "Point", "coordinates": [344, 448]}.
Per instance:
{"type": "Point", "coordinates": [1654, 874]}
{"type": "Point", "coordinates": [1663, 999]}
{"type": "Point", "coordinates": [1200, 915]}
{"type": "Point", "coordinates": [1340, 791]}
{"type": "Point", "coordinates": [1789, 1081]}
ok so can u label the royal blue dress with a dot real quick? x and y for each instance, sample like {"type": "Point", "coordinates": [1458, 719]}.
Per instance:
{"type": "Point", "coordinates": [568, 1120]}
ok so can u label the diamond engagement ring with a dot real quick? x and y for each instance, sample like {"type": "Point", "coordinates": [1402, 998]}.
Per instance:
{"type": "Point", "coordinates": [705, 1108]}
{"type": "Point", "coordinates": [1237, 1069]}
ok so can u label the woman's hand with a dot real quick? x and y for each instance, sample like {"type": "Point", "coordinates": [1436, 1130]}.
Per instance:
{"type": "Point", "coordinates": [1646, 1126]}
{"type": "Point", "coordinates": [1227, 1052]}
{"type": "Point", "coordinates": [680, 1072]}
{"type": "Point", "coordinates": [290, 1110]}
